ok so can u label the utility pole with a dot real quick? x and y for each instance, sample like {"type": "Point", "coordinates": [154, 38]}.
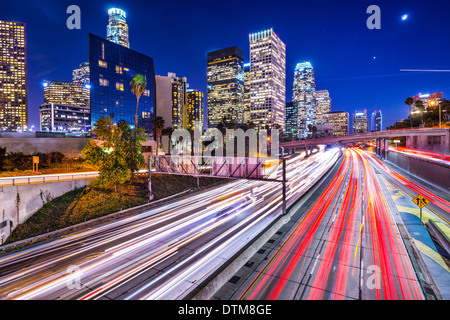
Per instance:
{"type": "Point", "coordinates": [284, 186]}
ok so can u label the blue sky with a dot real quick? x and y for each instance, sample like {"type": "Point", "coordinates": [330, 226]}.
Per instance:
{"type": "Point", "coordinates": [360, 67]}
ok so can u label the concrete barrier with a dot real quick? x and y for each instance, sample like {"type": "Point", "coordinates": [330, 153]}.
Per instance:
{"type": "Point", "coordinates": [436, 173]}
{"type": "Point", "coordinates": [18, 203]}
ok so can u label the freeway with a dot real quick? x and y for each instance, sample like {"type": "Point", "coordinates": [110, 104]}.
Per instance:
{"type": "Point", "coordinates": [347, 245]}
{"type": "Point", "coordinates": [161, 253]}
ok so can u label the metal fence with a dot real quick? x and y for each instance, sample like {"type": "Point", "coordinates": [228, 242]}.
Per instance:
{"type": "Point", "coordinates": [24, 180]}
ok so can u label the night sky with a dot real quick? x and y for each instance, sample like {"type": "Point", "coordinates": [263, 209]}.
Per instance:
{"type": "Point", "coordinates": [360, 67]}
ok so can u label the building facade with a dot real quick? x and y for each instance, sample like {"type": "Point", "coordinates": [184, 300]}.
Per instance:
{"type": "Point", "coordinates": [194, 108]}
{"type": "Point", "coordinates": [323, 104]}
{"type": "Point", "coordinates": [163, 89]}
{"type": "Point", "coordinates": [247, 114]}
{"type": "Point", "coordinates": [81, 74]}
{"type": "Point", "coordinates": [117, 29]}
{"type": "Point", "coordinates": [339, 121]}
{"type": "Point", "coordinates": [291, 119]}
{"type": "Point", "coordinates": [376, 121]}
{"type": "Point", "coordinates": [112, 67]}
{"type": "Point", "coordinates": [13, 77]}
{"type": "Point", "coordinates": [56, 117]}
{"type": "Point", "coordinates": [267, 80]}
{"type": "Point", "coordinates": [179, 111]}
{"type": "Point", "coordinates": [427, 100]}
{"type": "Point", "coordinates": [360, 122]}
{"type": "Point", "coordinates": [303, 97]}
{"type": "Point", "coordinates": [67, 93]}
{"type": "Point", "coordinates": [225, 84]}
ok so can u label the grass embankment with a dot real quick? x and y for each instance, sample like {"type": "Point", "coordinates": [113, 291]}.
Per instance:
{"type": "Point", "coordinates": [92, 202]}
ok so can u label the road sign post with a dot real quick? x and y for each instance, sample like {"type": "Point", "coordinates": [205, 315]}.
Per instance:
{"type": "Point", "coordinates": [421, 202]}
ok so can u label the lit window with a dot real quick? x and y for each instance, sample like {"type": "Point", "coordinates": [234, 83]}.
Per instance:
{"type": "Point", "coordinates": [102, 64]}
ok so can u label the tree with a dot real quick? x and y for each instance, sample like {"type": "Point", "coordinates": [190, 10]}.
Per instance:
{"type": "Point", "coordinates": [138, 85]}
{"type": "Point", "coordinates": [158, 124]}
{"type": "Point", "coordinates": [419, 106]}
{"type": "Point", "coordinates": [409, 102]}
{"type": "Point", "coordinates": [110, 157]}
{"type": "Point", "coordinates": [133, 147]}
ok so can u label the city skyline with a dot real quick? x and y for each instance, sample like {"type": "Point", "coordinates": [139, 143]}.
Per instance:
{"type": "Point", "coordinates": [368, 78]}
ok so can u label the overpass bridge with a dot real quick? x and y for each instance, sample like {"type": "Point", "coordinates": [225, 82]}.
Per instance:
{"type": "Point", "coordinates": [435, 139]}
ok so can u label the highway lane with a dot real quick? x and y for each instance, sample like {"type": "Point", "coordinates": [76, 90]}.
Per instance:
{"type": "Point", "coordinates": [158, 254]}
{"type": "Point", "coordinates": [346, 246]}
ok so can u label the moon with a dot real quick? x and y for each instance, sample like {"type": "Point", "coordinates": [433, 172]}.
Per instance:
{"type": "Point", "coordinates": [404, 17]}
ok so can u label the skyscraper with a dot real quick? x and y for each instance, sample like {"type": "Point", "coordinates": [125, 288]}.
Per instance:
{"type": "Point", "coordinates": [247, 115]}
{"type": "Point", "coordinates": [163, 90]}
{"type": "Point", "coordinates": [81, 74]}
{"type": "Point", "coordinates": [360, 122]}
{"type": "Point", "coordinates": [267, 79]}
{"type": "Point", "coordinates": [303, 97]}
{"type": "Point", "coordinates": [117, 29]}
{"type": "Point", "coordinates": [13, 76]}
{"type": "Point", "coordinates": [376, 121]}
{"type": "Point", "coordinates": [194, 108]}
{"type": "Point", "coordinates": [112, 67]}
{"type": "Point", "coordinates": [291, 119]}
{"type": "Point", "coordinates": [69, 93]}
{"type": "Point", "coordinates": [179, 112]}
{"type": "Point", "coordinates": [225, 79]}
{"type": "Point", "coordinates": [323, 104]}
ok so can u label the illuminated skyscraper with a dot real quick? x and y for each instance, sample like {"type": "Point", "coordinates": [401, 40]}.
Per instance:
{"type": "Point", "coordinates": [376, 121]}
{"type": "Point", "coordinates": [68, 93]}
{"type": "Point", "coordinates": [303, 97]}
{"type": "Point", "coordinates": [360, 122]}
{"type": "Point", "coordinates": [117, 29]}
{"type": "Point", "coordinates": [323, 104]}
{"type": "Point", "coordinates": [225, 79]}
{"type": "Point", "coordinates": [13, 76]}
{"type": "Point", "coordinates": [291, 119]}
{"type": "Point", "coordinates": [339, 121]}
{"type": "Point", "coordinates": [194, 108]}
{"type": "Point", "coordinates": [247, 115]}
{"type": "Point", "coordinates": [179, 111]}
{"type": "Point", "coordinates": [82, 74]}
{"type": "Point", "coordinates": [267, 79]}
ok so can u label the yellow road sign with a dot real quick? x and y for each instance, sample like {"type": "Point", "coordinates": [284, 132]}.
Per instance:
{"type": "Point", "coordinates": [420, 201]}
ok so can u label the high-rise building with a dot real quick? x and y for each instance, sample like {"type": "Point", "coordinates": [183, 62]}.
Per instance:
{"type": "Point", "coordinates": [13, 76]}
{"type": "Point", "coordinates": [377, 121]}
{"type": "Point", "coordinates": [225, 80]}
{"type": "Point", "coordinates": [339, 121]}
{"type": "Point", "coordinates": [68, 93]}
{"type": "Point", "coordinates": [427, 99]}
{"type": "Point", "coordinates": [247, 115]}
{"type": "Point", "coordinates": [303, 97]}
{"type": "Point", "coordinates": [81, 74]}
{"type": "Point", "coordinates": [194, 108]}
{"type": "Point", "coordinates": [117, 29]}
{"type": "Point", "coordinates": [66, 107]}
{"type": "Point", "coordinates": [179, 111]}
{"type": "Point", "coordinates": [360, 122]}
{"type": "Point", "coordinates": [323, 104]}
{"type": "Point", "coordinates": [291, 119]}
{"type": "Point", "coordinates": [267, 80]}
{"type": "Point", "coordinates": [112, 67]}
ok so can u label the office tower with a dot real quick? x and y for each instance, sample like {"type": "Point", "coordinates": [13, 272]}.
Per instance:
{"type": "Point", "coordinates": [66, 107]}
{"type": "Point", "coordinates": [377, 121]}
{"type": "Point", "coordinates": [323, 104]}
{"type": "Point", "coordinates": [291, 119]}
{"type": "Point", "coordinates": [194, 108]}
{"type": "Point", "coordinates": [360, 122]}
{"type": "Point", "coordinates": [163, 89]}
{"type": "Point", "coordinates": [81, 74]}
{"type": "Point", "coordinates": [303, 96]}
{"type": "Point", "coordinates": [68, 93]}
{"type": "Point", "coordinates": [225, 80]}
{"type": "Point", "coordinates": [179, 112]}
{"type": "Point", "coordinates": [112, 67]}
{"type": "Point", "coordinates": [339, 121]}
{"type": "Point", "coordinates": [117, 29]}
{"type": "Point", "coordinates": [268, 80]}
{"type": "Point", "coordinates": [247, 115]}
{"type": "Point", "coordinates": [13, 76]}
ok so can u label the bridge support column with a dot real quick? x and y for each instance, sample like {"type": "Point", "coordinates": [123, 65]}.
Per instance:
{"type": "Point", "coordinates": [445, 143]}
{"type": "Point", "coordinates": [307, 151]}
{"type": "Point", "coordinates": [386, 148]}
{"type": "Point", "coordinates": [378, 148]}
{"type": "Point", "coordinates": [408, 142]}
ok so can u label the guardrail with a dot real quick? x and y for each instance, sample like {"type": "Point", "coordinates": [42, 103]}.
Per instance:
{"type": "Point", "coordinates": [24, 180]}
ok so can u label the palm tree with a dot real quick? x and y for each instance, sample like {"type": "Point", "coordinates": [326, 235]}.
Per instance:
{"type": "Point", "coordinates": [138, 85]}
{"type": "Point", "coordinates": [158, 123]}
{"type": "Point", "coordinates": [409, 102]}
